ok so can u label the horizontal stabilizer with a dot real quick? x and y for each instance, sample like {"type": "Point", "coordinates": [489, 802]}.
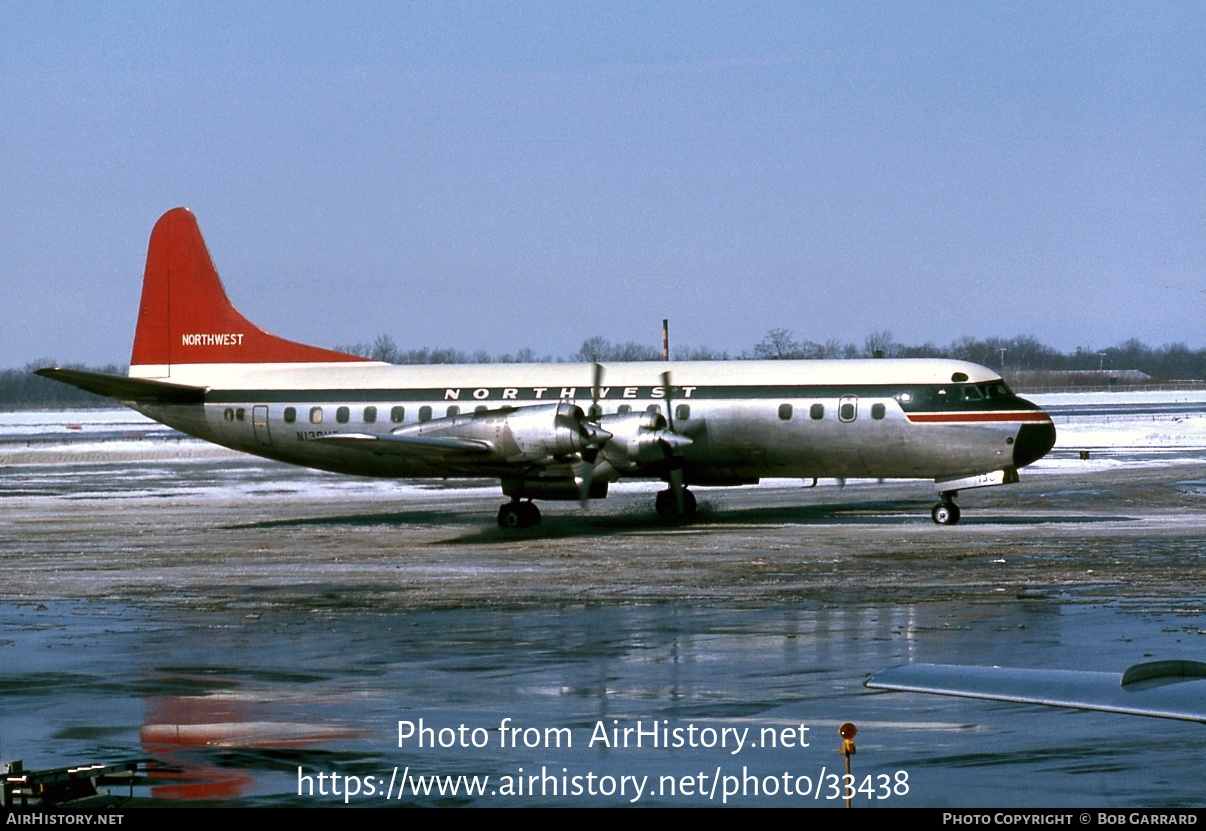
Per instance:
{"type": "Point", "coordinates": [405, 445]}
{"type": "Point", "coordinates": [1181, 695]}
{"type": "Point", "coordinates": [121, 388]}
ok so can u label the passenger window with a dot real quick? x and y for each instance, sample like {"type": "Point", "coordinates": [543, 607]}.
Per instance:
{"type": "Point", "coordinates": [877, 411]}
{"type": "Point", "coordinates": [624, 409]}
{"type": "Point", "coordinates": [342, 415]}
{"type": "Point", "coordinates": [241, 414]}
{"type": "Point", "coordinates": [370, 415]}
{"type": "Point", "coordinates": [481, 409]}
{"type": "Point", "coordinates": [229, 414]}
{"type": "Point", "coordinates": [816, 412]}
{"type": "Point", "coordinates": [316, 415]}
{"type": "Point", "coordinates": [847, 408]}
{"type": "Point", "coordinates": [596, 412]}
{"type": "Point", "coordinates": [290, 415]}
{"type": "Point", "coordinates": [682, 412]}
{"type": "Point", "coordinates": [425, 413]}
{"type": "Point", "coordinates": [653, 408]}
{"type": "Point", "coordinates": [785, 412]}
{"type": "Point", "coordinates": [397, 414]}
{"type": "Point", "coordinates": [454, 410]}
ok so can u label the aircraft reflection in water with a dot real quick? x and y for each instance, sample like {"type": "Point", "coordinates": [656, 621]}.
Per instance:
{"type": "Point", "coordinates": [556, 431]}
{"type": "Point", "coordinates": [185, 737]}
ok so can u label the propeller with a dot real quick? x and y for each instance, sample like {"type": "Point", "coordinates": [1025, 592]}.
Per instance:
{"type": "Point", "coordinates": [670, 443]}
{"type": "Point", "coordinates": [590, 453]}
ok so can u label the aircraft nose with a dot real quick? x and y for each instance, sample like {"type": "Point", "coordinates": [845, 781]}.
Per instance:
{"type": "Point", "coordinates": [1034, 441]}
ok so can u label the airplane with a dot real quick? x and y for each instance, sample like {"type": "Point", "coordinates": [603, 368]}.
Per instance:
{"type": "Point", "coordinates": [1174, 689]}
{"type": "Point", "coordinates": [555, 431]}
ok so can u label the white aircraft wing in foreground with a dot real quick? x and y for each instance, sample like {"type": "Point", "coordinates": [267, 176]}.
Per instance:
{"type": "Point", "coordinates": [1162, 689]}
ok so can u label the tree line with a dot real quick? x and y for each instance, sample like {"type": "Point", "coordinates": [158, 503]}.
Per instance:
{"type": "Point", "coordinates": [1022, 353]}
{"type": "Point", "coordinates": [1022, 357]}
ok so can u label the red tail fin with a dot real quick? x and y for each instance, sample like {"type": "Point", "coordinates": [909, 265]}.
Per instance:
{"type": "Point", "coordinates": [185, 316]}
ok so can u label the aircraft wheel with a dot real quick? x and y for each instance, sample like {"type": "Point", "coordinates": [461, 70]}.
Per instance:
{"type": "Point", "coordinates": [664, 503]}
{"type": "Point", "coordinates": [689, 504]}
{"type": "Point", "coordinates": [945, 513]}
{"type": "Point", "coordinates": [518, 515]}
{"type": "Point", "coordinates": [529, 513]}
{"type": "Point", "coordinates": [509, 516]}
{"type": "Point", "coordinates": [665, 506]}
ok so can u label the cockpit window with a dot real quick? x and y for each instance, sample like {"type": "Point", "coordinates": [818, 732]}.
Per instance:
{"type": "Point", "coordinates": [996, 389]}
{"type": "Point", "coordinates": [972, 393]}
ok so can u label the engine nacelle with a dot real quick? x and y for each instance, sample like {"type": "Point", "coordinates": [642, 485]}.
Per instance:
{"type": "Point", "coordinates": [548, 430]}
{"type": "Point", "coordinates": [636, 439]}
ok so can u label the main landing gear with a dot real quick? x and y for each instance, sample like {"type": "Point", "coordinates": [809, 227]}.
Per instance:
{"type": "Point", "coordinates": [516, 514]}
{"type": "Point", "coordinates": [946, 512]}
{"type": "Point", "coordinates": [666, 507]}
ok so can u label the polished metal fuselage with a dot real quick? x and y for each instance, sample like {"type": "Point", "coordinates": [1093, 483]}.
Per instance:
{"type": "Point", "coordinates": [745, 420]}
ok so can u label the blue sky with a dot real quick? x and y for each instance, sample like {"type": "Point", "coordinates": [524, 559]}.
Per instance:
{"type": "Point", "coordinates": [499, 175]}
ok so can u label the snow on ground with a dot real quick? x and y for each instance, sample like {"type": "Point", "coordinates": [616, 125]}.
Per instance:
{"type": "Point", "coordinates": [1099, 432]}
{"type": "Point", "coordinates": [1119, 398]}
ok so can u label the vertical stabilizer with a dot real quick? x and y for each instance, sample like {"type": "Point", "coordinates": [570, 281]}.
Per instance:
{"type": "Point", "coordinates": [185, 316]}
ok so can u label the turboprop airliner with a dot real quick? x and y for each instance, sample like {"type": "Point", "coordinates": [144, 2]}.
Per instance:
{"type": "Point", "coordinates": [556, 431]}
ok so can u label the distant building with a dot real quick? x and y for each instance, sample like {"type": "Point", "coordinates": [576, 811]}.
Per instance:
{"type": "Point", "coordinates": [1078, 378]}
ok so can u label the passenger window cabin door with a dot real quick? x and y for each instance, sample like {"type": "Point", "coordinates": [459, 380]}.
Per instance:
{"type": "Point", "coordinates": [259, 424]}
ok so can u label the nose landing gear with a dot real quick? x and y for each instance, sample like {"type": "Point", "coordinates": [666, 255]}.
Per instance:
{"type": "Point", "coordinates": [946, 512]}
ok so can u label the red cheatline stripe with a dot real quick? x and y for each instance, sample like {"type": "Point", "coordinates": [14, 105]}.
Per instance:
{"type": "Point", "coordinates": [944, 418]}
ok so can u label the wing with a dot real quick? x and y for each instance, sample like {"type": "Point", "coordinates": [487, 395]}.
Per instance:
{"type": "Point", "coordinates": [1162, 689]}
{"type": "Point", "coordinates": [402, 445]}
{"type": "Point", "coordinates": [507, 439]}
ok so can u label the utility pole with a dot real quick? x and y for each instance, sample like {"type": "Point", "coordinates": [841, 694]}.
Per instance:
{"type": "Point", "coordinates": [665, 339]}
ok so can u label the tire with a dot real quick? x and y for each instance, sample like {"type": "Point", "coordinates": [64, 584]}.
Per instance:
{"type": "Point", "coordinates": [509, 516]}
{"type": "Point", "coordinates": [664, 503]}
{"type": "Point", "coordinates": [666, 506]}
{"type": "Point", "coordinates": [529, 514]}
{"type": "Point", "coordinates": [945, 513]}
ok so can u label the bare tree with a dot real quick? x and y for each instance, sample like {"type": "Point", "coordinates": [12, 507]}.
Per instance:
{"type": "Point", "coordinates": [879, 345]}
{"type": "Point", "coordinates": [384, 349]}
{"type": "Point", "coordinates": [778, 345]}
{"type": "Point", "coordinates": [600, 348]}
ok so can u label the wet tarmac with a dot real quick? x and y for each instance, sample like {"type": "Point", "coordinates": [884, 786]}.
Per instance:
{"type": "Point", "coordinates": [250, 627]}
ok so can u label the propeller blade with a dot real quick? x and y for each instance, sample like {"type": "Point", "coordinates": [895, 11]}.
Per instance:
{"type": "Point", "coordinates": [667, 391]}
{"type": "Point", "coordinates": [595, 435]}
{"type": "Point", "coordinates": [596, 384]}
{"type": "Point", "coordinates": [589, 455]}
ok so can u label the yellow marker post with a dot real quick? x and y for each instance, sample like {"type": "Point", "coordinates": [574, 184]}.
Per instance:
{"type": "Point", "coordinates": [848, 731]}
